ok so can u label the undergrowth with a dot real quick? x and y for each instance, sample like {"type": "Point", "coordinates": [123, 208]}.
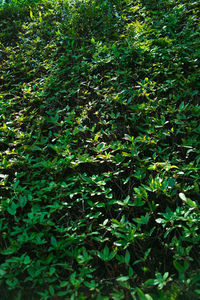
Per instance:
{"type": "Point", "coordinates": [99, 141]}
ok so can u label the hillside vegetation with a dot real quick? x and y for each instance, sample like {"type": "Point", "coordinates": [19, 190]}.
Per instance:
{"type": "Point", "coordinates": [99, 150]}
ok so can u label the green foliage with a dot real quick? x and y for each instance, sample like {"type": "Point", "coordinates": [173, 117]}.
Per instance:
{"type": "Point", "coordinates": [99, 150]}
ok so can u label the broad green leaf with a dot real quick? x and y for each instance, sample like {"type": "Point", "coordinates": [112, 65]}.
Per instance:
{"type": "Point", "coordinates": [12, 208]}
{"type": "Point", "coordinates": [27, 260]}
{"type": "Point", "coordinates": [2, 272]}
{"type": "Point", "coordinates": [127, 257]}
{"type": "Point", "coordinates": [22, 201]}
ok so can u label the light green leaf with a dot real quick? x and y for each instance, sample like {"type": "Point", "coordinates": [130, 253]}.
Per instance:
{"type": "Point", "coordinates": [123, 278]}
{"type": "Point", "coordinates": [182, 196]}
{"type": "Point", "coordinates": [31, 14]}
{"type": "Point", "coordinates": [40, 16]}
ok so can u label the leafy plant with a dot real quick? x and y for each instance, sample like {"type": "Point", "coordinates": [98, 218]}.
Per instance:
{"type": "Point", "coordinates": [99, 149]}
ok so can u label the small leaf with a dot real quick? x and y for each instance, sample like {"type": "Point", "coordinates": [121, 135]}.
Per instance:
{"type": "Point", "coordinates": [159, 221]}
{"type": "Point", "coordinates": [191, 203]}
{"type": "Point", "coordinates": [127, 257]}
{"type": "Point", "coordinates": [150, 282]}
{"type": "Point", "coordinates": [31, 14]}
{"type": "Point", "coordinates": [27, 260]}
{"type": "Point", "coordinates": [12, 209]}
{"type": "Point", "coordinates": [182, 196]}
{"type": "Point", "coordinates": [106, 251]}
{"type": "Point", "coordinates": [51, 290]}
{"type": "Point", "coordinates": [2, 272]}
{"type": "Point", "coordinates": [64, 283]}
{"type": "Point", "coordinates": [123, 278]}
{"type": "Point", "coordinates": [165, 275]}
{"type": "Point", "coordinates": [53, 241]}
{"type": "Point", "coordinates": [40, 16]}
{"type": "Point", "coordinates": [22, 201]}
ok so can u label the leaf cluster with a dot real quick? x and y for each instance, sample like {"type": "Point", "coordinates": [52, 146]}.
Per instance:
{"type": "Point", "coordinates": [99, 149]}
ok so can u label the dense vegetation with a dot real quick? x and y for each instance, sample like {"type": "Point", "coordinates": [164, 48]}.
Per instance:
{"type": "Point", "coordinates": [100, 150]}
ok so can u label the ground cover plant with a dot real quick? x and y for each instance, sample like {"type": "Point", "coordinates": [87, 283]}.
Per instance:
{"type": "Point", "coordinates": [99, 149]}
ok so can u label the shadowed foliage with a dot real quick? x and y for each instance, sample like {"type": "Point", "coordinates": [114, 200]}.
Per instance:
{"type": "Point", "coordinates": [99, 149]}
